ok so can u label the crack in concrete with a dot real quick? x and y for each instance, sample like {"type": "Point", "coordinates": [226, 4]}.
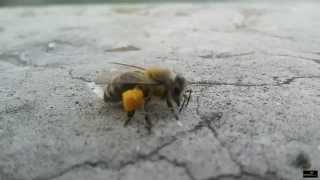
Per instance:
{"type": "Point", "coordinates": [271, 35]}
{"type": "Point", "coordinates": [225, 55]}
{"type": "Point", "coordinates": [284, 82]}
{"type": "Point", "coordinates": [216, 83]}
{"type": "Point", "coordinates": [139, 157]}
{"type": "Point", "coordinates": [101, 164]}
{"type": "Point", "coordinates": [244, 175]}
{"type": "Point", "coordinates": [123, 49]}
{"type": "Point", "coordinates": [178, 164]}
{"type": "Point", "coordinates": [290, 80]}
{"type": "Point", "coordinates": [206, 122]}
{"type": "Point", "coordinates": [293, 56]}
{"type": "Point", "coordinates": [22, 60]}
{"type": "Point", "coordinates": [106, 165]}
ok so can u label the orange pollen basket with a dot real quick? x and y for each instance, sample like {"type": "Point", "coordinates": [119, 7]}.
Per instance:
{"type": "Point", "coordinates": [132, 99]}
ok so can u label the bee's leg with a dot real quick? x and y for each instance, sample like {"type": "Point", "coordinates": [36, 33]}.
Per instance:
{"type": "Point", "coordinates": [183, 103]}
{"type": "Point", "coordinates": [129, 115]}
{"type": "Point", "coordinates": [148, 123]}
{"type": "Point", "coordinates": [186, 98]}
{"type": "Point", "coordinates": [170, 105]}
{"type": "Point", "coordinates": [189, 96]}
{"type": "Point", "coordinates": [146, 116]}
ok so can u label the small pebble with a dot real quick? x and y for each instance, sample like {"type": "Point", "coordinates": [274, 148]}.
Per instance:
{"type": "Point", "coordinates": [302, 160]}
{"type": "Point", "coordinates": [51, 46]}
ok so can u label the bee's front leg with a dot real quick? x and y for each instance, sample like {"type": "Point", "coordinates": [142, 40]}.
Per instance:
{"type": "Point", "coordinates": [186, 99]}
{"type": "Point", "coordinates": [173, 110]}
{"type": "Point", "coordinates": [129, 115]}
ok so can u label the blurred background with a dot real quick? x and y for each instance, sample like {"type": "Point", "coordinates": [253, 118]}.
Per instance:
{"type": "Point", "coordinates": [48, 2]}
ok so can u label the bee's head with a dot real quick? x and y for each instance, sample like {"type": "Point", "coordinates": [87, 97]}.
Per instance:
{"type": "Point", "coordinates": [178, 88]}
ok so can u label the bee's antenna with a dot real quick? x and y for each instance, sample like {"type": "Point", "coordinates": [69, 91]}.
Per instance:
{"type": "Point", "coordinates": [128, 65]}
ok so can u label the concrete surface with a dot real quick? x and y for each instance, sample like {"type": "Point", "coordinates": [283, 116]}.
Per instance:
{"type": "Point", "coordinates": [254, 69]}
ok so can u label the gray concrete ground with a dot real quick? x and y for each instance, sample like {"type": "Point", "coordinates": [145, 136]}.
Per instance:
{"type": "Point", "coordinates": [254, 69]}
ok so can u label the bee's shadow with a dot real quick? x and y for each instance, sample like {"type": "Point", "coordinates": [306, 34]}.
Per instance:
{"type": "Point", "coordinates": [157, 111]}
{"type": "Point", "coordinates": [113, 110]}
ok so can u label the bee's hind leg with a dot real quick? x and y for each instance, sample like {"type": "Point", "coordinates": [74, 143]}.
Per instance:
{"type": "Point", "coordinates": [148, 124]}
{"type": "Point", "coordinates": [129, 115]}
{"type": "Point", "coordinates": [170, 105]}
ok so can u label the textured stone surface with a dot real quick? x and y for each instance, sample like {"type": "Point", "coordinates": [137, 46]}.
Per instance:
{"type": "Point", "coordinates": [254, 69]}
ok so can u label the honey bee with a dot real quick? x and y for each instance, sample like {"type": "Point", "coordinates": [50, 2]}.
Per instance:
{"type": "Point", "coordinates": [135, 88]}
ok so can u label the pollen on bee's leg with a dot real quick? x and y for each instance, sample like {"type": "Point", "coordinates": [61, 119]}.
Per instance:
{"type": "Point", "coordinates": [132, 99]}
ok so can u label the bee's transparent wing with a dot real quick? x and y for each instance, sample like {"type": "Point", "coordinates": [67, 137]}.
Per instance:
{"type": "Point", "coordinates": [106, 76]}
{"type": "Point", "coordinates": [103, 78]}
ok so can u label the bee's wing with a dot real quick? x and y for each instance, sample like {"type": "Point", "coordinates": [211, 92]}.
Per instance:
{"type": "Point", "coordinates": [136, 77]}
{"type": "Point", "coordinates": [128, 65]}
{"type": "Point", "coordinates": [105, 76]}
